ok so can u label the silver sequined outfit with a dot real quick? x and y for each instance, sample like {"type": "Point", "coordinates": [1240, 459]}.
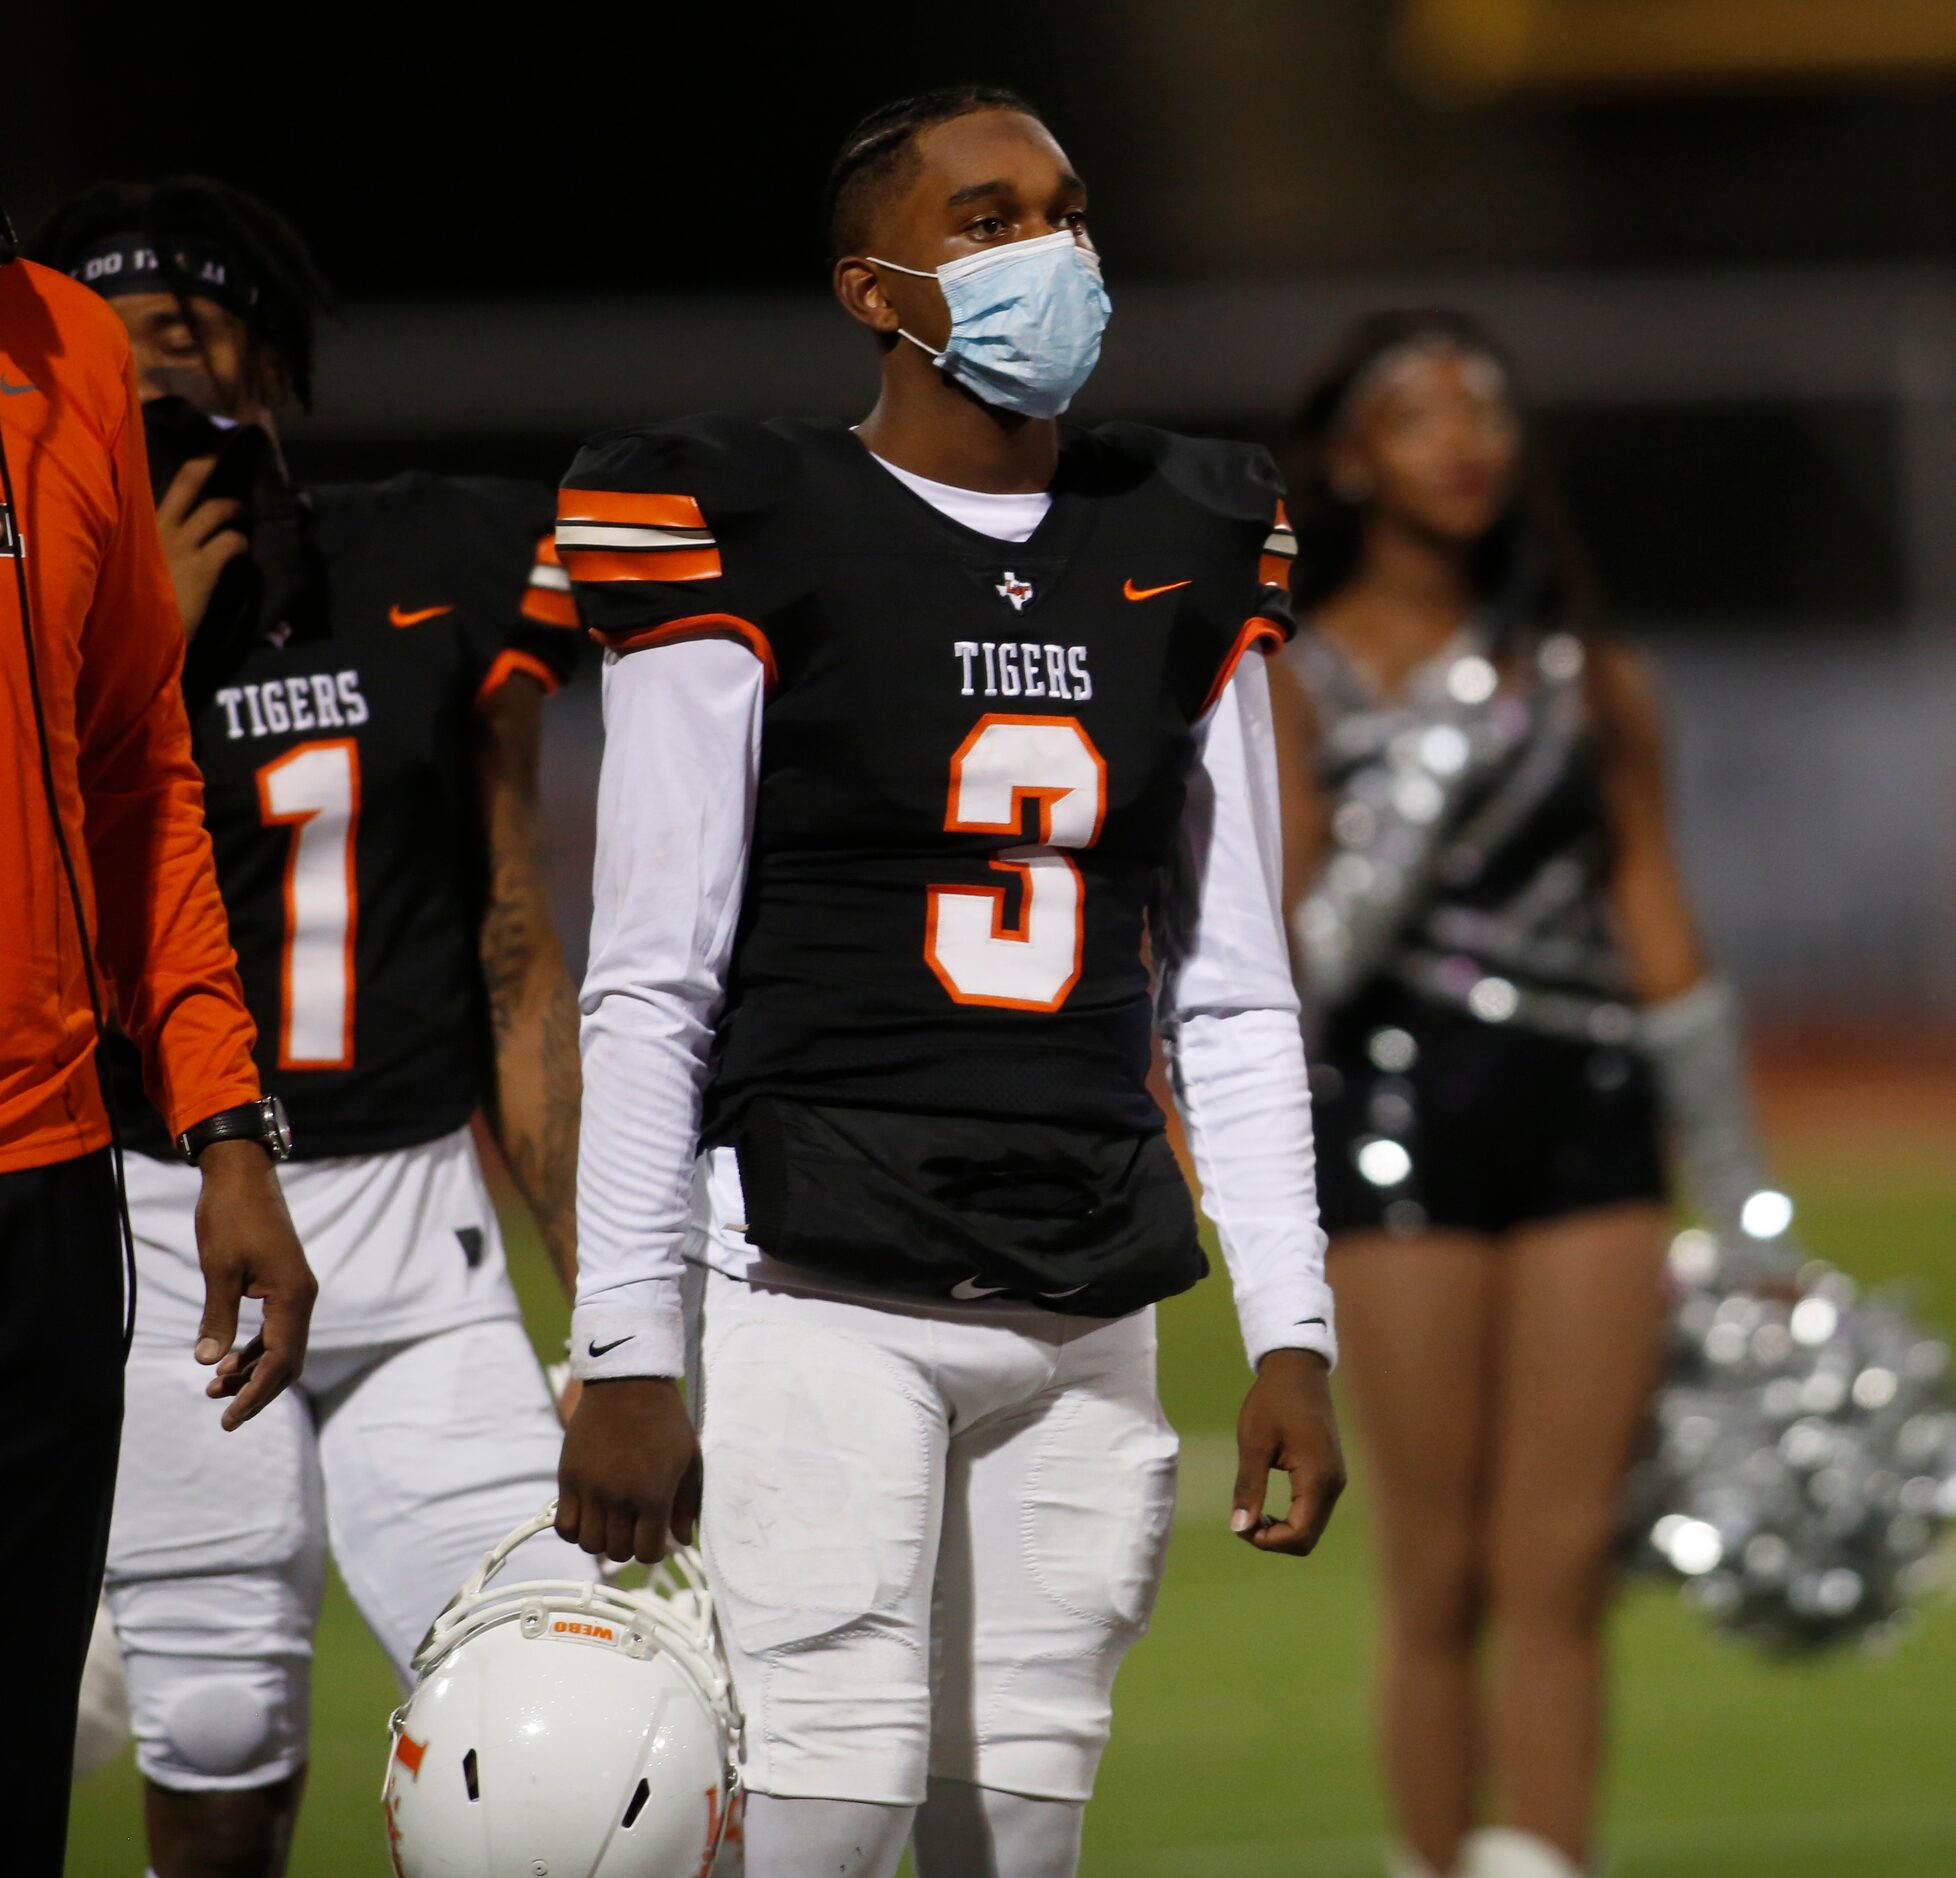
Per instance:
{"type": "Point", "coordinates": [1469, 1005]}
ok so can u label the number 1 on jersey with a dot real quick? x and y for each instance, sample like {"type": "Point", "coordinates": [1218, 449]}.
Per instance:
{"type": "Point", "coordinates": [315, 790]}
{"type": "Point", "coordinates": [1031, 964]}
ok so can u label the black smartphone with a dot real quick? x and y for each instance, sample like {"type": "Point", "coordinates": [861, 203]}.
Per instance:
{"type": "Point", "coordinates": [177, 433]}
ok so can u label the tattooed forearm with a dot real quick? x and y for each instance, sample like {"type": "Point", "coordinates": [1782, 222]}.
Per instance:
{"type": "Point", "coordinates": [537, 1082]}
{"type": "Point", "coordinates": [538, 1085]}
{"type": "Point", "coordinates": [512, 926]}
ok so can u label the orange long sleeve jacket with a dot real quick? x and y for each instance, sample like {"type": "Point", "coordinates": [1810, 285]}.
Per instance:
{"type": "Point", "coordinates": [108, 647]}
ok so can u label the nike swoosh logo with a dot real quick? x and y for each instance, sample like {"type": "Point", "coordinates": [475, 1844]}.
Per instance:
{"type": "Point", "coordinates": [1130, 591]}
{"type": "Point", "coordinates": [1302, 1321]}
{"type": "Point", "coordinates": [13, 390]}
{"type": "Point", "coordinates": [594, 1349]}
{"type": "Point", "coordinates": [1074, 1293]}
{"type": "Point", "coordinates": [399, 616]}
{"type": "Point", "coordinates": [966, 1289]}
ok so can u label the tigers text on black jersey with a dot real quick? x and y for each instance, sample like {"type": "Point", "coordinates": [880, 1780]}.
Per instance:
{"type": "Point", "coordinates": [974, 752]}
{"type": "Point", "coordinates": [340, 790]}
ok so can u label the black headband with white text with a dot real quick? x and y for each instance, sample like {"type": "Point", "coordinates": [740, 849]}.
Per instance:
{"type": "Point", "coordinates": [130, 262]}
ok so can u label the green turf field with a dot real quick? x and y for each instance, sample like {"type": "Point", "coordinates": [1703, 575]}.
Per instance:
{"type": "Point", "coordinates": [1241, 1737]}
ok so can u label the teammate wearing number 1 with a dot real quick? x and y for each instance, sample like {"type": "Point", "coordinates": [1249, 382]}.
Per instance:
{"type": "Point", "coordinates": [918, 737]}
{"type": "Point", "coordinates": [365, 709]}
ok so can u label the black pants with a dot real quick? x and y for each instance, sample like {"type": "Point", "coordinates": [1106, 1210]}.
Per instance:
{"type": "Point", "coordinates": [60, 1423]}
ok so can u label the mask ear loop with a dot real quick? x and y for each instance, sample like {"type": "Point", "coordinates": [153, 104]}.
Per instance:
{"type": "Point", "coordinates": [1006, 251]}
{"type": "Point", "coordinates": [936, 355]}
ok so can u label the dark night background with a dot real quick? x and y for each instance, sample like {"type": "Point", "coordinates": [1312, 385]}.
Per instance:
{"type": "Point", "coordinates": [636, 152]}
{"type": "Point", "coordinates": [1733, 296]}
{"type": "Point", "coordinates": [1719, 236]}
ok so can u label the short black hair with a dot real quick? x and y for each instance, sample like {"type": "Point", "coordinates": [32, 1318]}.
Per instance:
{"type": "Point", "coordinates": [256, 238]}
{"type": "Point", "coordinates": [881, 151]}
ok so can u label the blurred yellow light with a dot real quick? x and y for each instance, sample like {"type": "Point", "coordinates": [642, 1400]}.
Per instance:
{"type": "Point", "coordinates": [1505, 45]}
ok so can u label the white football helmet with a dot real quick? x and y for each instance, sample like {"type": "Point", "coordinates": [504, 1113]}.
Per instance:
{"type": "Point", "coordinates": [561, 1729]}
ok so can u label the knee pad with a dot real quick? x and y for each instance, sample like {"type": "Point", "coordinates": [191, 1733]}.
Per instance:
{"type": "Point", "coordinates": [223, 1726]}
{"type": "Point", "coordinates": [220, 1676]}
{"type": "Point", "coordinates": [1100, 1499]}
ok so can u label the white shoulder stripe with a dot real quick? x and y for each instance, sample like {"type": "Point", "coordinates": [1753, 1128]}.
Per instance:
{"type": "Point", "coordinates": [625, 535]}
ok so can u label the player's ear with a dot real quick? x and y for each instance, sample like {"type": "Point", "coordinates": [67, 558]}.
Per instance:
{"type": "Point", "coordinates": [860, 289]}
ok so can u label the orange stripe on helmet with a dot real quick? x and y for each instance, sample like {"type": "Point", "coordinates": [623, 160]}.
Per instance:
{"type": "Point", "coordinates": [1273, 570]}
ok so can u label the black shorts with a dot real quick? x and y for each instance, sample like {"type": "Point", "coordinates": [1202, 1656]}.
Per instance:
{"type": "Point", "coordinates": [1427, 1118]}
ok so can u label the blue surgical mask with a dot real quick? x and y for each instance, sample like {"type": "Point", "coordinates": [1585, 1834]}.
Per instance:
{"type": "Point", "coordinates": [1026, 321]}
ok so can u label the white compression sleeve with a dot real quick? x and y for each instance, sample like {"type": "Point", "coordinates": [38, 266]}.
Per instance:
{"type": "Point", "coordinates": [1229, 1021]}
{"type": "Point", "coordinates": [966, 1831]}
{"type": "Point", "coordinates": [789, 1838]}
{"type": "Point", "coordinates": [675, 813]}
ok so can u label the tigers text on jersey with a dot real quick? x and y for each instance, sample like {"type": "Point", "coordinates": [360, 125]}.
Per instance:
{"type": "Point", "coordinates": [683, 790]}
{"type": "Point", "coordinates": [340, 790]}
{"type": "Point", "coordinates": [975, 751]}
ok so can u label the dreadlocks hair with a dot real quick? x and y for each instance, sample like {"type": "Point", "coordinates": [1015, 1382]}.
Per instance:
{"type": "Point", "coordinates": [881, 151]}
{"type": "Point", "coordinates": [1525, 571]}
{"type": "Point", "coordinates": [292, 293]}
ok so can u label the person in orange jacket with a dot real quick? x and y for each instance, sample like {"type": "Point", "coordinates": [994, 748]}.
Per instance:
{"type": "Point", "coordinates": [113, 911]}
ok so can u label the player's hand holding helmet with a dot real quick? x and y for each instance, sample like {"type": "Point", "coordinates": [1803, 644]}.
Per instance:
{"type": "Point", "coordinates": [580, 1730]}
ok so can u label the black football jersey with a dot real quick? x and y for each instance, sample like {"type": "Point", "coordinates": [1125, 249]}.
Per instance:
{"type": "Point", "coordinates": [974, 752]}
{"type": "Point", "coordinates": [341, 795]}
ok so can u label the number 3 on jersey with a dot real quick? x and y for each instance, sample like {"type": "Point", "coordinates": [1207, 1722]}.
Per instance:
{"type": "Point", "coordinates": [1033, 963]}
{"type": "Point", "coordinates": [315, 791]}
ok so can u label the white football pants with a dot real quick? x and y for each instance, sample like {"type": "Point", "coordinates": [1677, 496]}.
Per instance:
{"type": "Point", "coordinates": [932, 1532]}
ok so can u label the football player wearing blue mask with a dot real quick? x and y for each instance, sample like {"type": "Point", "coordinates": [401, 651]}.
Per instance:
{"type": "Point", "coordinates": [921, 734]}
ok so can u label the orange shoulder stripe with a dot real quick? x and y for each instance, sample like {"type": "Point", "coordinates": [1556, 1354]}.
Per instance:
{"type": "Point", "coordinates": [508, 663]}
{"type": "Point", "coordinates": [1256, 630]}
{"type": "Point", "coordinates": [628, 505]}
{"type": "Point", "coordinates": [698, 626]}
{"type": "Point", "coordinates": [548, 607]}
{"type": "Point", "coordinates": [641, 564]}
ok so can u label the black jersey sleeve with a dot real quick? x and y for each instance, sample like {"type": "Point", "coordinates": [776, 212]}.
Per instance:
{"type": "Point", "coordinates": [1268, 623]}
{"type": "Point", "coordinates": [1240, 494]}
{"type": "Point", "coordinates": [649, 531]}
{"type": "Point", "coordinates": [518, 615]}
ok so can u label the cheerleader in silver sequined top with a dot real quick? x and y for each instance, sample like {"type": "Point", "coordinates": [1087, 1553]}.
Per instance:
{"type": "Point", "coordinates": [1510, 1011]}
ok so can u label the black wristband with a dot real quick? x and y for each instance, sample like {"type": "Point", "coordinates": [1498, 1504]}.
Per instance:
{"type": "Point", "coordinates": [262, 1121]}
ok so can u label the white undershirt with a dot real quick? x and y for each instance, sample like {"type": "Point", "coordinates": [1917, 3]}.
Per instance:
{"type": "Point", "coordinates": [676, 798]}
{"type": "Point", "coordinates": [1003, 517]}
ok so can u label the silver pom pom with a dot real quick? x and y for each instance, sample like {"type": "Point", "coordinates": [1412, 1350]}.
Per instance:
{"type": "Point", "coordinates": [1801, 1468]}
